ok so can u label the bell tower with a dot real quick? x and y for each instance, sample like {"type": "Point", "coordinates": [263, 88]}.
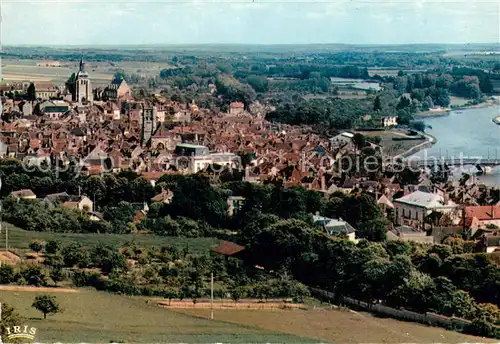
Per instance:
{"type": "Point", "coordinates": [83, 87]}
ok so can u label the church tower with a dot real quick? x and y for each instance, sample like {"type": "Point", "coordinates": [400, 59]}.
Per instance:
{"type": "Point", "coordinates": [83, 87]}
{"type": "Point", "coordinates": [149, 123]}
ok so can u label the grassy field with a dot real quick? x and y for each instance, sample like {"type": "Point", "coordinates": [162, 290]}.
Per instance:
{"type": "Point", "coordinates": [458, 101]}
{"type": "Point", "coordinates": [91, 316]}
{"type": "Point", "coordinates": [101, 73]}
{"type": "Point", "coordinates": [391, 147]}
{"type": "Point", "coordinates": [20, 239]}
{"type": "Point", "coordinates": [339, 326]}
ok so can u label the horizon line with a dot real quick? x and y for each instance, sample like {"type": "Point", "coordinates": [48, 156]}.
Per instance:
{"type": "Point", "coordinates": [245, 44]}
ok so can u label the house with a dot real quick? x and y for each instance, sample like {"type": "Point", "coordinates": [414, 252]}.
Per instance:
{"type": "Point", "coordinates": [236, 108]}
{"type": "Point", "coordinates": [23, 194]}
{"type": "Point", "coordinates": [341, 139]}
{"type": "Point", "coordinates": [390, 121]}
{"type": "Point", "coordinates": [482, 215]}
{"type": "Point", "coordinates": [336, 227]}
{"type": "Point", "coordinates": [415, 207]}
{"type": "Point", "coordinates": [407, 233]}
{"type": "Point", "coordinates": [164, 196]}
{"type": "Point", "coordinates": [82, 203]}
{"type": "Point", "coordinates": [228, 248]}
{"type": "Point", "coordinates": [52, 199]}
{"type": "Point", "coordinates": [45, 91]}
{"type": "Point", "coordinates": [234, 204]}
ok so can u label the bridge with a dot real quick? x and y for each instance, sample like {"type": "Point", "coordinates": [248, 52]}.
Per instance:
{"type": "Point", "coordinates": [452, 161]}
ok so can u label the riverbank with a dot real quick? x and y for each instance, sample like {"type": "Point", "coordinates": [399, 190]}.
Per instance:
{"type": "Point", "coordinates": [430, 140]}
{"type": "Point", "coordinates": [446, 111]}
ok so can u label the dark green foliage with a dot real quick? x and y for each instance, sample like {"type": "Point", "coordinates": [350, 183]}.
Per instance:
{"type": "Point", "coordinates": [47, 304]}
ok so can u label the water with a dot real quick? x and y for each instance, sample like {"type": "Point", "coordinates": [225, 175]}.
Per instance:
{"type": "Point", "coordinates": [471, 133]}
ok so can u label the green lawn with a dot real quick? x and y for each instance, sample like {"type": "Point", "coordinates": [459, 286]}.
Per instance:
{"type": "Point", "coordinates": [20, 239]}
{"type": "Point", "coordinates": [92, 316]}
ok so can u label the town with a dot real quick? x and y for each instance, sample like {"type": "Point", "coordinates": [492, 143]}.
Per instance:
{"type": "Point", "coordinates": [279, 210]}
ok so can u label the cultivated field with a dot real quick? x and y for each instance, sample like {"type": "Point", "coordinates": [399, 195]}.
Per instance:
{"type": "Point", "coordinates": [101, 73]}
{"type": "Point", "coordinates": [20, 239]}
{"type": "Point", "coordinates": [91, 316]}
{"type": "Point", "coordinates": [338, 326]}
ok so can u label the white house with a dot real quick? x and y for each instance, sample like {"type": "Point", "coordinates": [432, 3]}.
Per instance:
{"type": "Point", "coordinates": [416, 206]}
{"type": "Point", "coordinates": [336, 227]}
{"type": "Point", "coordinates": [390, 121]}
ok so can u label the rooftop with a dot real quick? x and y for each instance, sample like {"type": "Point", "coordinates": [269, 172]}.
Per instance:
{"type": "Point", "coordinates": [424, 200]}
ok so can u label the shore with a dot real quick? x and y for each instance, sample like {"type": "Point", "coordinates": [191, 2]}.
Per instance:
{"type": "Point", "coordinates": [445, 111]}
{"type": "Point", "coordinates": [430, 140]}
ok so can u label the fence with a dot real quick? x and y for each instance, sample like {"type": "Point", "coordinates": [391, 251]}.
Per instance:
{"type": "Point", "coordinates": [402, 314]}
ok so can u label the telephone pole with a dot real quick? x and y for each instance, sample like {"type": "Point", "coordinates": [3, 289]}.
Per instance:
{"type": "Point", "coordinates": [212, 295]}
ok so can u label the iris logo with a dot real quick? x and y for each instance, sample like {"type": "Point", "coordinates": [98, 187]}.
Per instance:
{"type": "Point", "coordinates": [20, 332]}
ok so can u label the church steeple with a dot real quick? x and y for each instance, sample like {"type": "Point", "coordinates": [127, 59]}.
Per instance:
{"type": "Point", "coordinates": [82, 65]}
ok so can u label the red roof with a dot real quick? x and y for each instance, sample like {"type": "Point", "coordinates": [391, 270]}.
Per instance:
{"type": "Point", "coordinates": [228, 248]}
{"type": "Point", "coordinates": [237, 105]}
{"type": "Point", "coordinates": [483, 212]}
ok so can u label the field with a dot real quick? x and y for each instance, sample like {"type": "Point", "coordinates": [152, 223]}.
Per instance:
{"type": "Point", "coordinates": [101, 73]}
{"type": "Point", "coordinates": [338, 326]}
{"type": "Point", "coordinates": [91, 316]}
{"type": "Point", "coordinates": [459, 101]}
{"type": "Point", "coordinates": [389, 146]}
{"type": "Point", "coordinates": [20, 239]}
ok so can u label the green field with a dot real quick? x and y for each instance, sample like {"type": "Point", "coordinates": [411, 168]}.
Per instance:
{"type": "Point", "coordinates": [20, 239]}
{"type": "Point", "coordinates": [91, 316]}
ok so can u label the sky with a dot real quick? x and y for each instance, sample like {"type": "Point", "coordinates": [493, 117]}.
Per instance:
{"type": "Point", "coordinates": [120, 22]}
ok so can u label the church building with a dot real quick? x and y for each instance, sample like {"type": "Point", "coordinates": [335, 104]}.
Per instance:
{"type": "Point", "coordinates": [80, 87]}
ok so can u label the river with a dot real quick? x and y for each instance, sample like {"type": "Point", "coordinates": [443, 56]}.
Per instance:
{"type": "Point", "coordinates": [470, 132]}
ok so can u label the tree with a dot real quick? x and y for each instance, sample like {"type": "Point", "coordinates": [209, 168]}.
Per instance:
{"type": "Point", "coordinates": [377, 104]}
{"type": "Point", "coordinates": [9, 318]}
{"type": "Point", "coordinates": [6, 274]}
{"type": "Point", "coordinates": [237, 293]}
{"type": "Point", "coordinates": [31, 92]}
{"type": "Point", "coordinates": [57, 274]}
{"type": "Point", "coordinates": [359, 140]}
{"type": "Point", "coordinates": [52, 246]}
{"type": "Point", "coordinates": [47, 304]}
{"type": "Point", "coordinates": [36, 246]}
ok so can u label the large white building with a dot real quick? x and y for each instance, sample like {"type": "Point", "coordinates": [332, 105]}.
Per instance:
{"type": "Point", "coordinates": [416, 206]}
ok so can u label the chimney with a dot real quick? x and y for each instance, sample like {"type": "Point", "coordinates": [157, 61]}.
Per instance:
{"type": "Point", "coordinates": [446, 198]}
{"type": "Point", "coordinates": [323, 183]}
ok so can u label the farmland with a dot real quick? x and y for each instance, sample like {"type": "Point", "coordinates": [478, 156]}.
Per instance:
{"type": "Point", "coordinates": [338, 326]}
{"type": "Point", "coordinates": [101, 73]}
{"type": "Point", "coordinates": [93, 316]}
{"type": "Point", "coordinates": [20, 239]}
{"type": "Point", "coordinates": [103, 317]}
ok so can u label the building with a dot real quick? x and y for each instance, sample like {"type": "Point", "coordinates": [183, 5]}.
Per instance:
{"type": "Point", "coordinates": [407, 233]}
{"type": "Point", "coordinates": [482, 216]}
{"type": "Point", "coordinates": [45, 91]}
{"type": "Point", "coordinates": [236, 108]}
{"type": "Point", "coordinates": [415, 207]}
{"type": "Point", "coordinates": [80, 87]}
{"type": "Point", "coordinates": [389, 121]}
{"type": "Point", "coordinates": [23, 194]}
{"type": "Point", "coordinates": [118, 89]}
{"type": "Point", "coordinates": [165, 196]}
{"type": "Point", "coordinates": [341, 139]}
{"type": "Point", "coordinates": [82, 203]}
{"type": "Point", "coordinates": [148, 127]}
{"type": "Point", "coordinates": [336, 227]}
{"type": "Point", "coordinates": [235, 204]}
{"type": "Point", "coordinates": [191, 158]}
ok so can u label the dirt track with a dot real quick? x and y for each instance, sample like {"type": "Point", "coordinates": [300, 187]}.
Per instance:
{"type": "Point", "coordinates": [38, 289]}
